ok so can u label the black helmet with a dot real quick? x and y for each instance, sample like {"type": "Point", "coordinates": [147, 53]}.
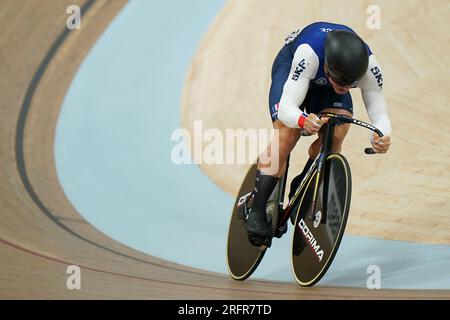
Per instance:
{"type": "Point", "coordinates": [346, 56]}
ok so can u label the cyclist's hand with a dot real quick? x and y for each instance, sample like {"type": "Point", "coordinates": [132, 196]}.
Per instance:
{"type": "Point", "coordinates": [380, 145]}
{"type": "Point", "coordinates": [313, 123]}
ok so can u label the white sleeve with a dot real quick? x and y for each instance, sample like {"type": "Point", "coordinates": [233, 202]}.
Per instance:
{"type": "Point", "coordinates": [304, 68]}
{"type": "Point", "coordinates": [372, 93]}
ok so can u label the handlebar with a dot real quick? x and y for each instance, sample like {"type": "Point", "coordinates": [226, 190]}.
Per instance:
{"type": "Point", "coordinates": [340, 119]}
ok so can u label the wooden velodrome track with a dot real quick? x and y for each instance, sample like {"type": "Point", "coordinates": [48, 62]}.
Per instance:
{"type": "Point", "coordinates": [41, 234]}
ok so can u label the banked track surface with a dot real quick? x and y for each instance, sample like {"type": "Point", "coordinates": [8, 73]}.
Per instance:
{"type": "Point", "coordinates": [41, 234]}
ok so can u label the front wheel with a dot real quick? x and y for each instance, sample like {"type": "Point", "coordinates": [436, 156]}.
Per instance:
{"type": "Point", "coordinates": [318, 232]}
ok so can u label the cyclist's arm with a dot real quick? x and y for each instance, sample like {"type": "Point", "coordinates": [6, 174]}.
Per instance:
{"type": "Point", "coordinates": [371, 86]}
{"type": "Point", "coordinates": [303, 69]}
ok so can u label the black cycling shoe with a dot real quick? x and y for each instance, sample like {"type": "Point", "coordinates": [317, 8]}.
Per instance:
{"type": "Point", "coordinates": [258, 229]}
{"type": "Point", "coordinates": [258, 242]}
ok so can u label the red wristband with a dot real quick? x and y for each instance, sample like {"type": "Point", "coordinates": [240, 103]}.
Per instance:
{"type": "Point", "coordinates": [301, 120]}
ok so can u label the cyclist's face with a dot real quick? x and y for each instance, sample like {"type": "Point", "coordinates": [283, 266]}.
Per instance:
{"type": "Point", "coordinates": [338, 88]}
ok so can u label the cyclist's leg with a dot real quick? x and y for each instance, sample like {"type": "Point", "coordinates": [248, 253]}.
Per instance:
{"type": "Point", "coordinates": [329, 101]}
{"type": "Point", "coordinates": [276, 154]}
{"type": "Point", "coordinates": [272, 163]}
{"type": "Point", "coordinates": [340, 133]}
{"type": "Point", "coordinates": [324, 99]}
{"type": "Point", "coordinates": [298, 179]}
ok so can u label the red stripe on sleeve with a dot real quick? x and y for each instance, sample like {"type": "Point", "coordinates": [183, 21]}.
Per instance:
{"type": "Point", "coordinates": [301, 120]}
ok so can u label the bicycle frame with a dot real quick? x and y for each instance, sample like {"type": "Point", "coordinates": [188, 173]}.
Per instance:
{"type": "Point", "coordinates": [319, 163]}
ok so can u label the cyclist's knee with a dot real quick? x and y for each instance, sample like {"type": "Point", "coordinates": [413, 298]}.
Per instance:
{"type": "Point", "coordinates": [287, 143]}
{"type": "Point", "coordinates": [337, 144]}
{"type": "Point", "coordinates": [314, 148]}
{"type": "Point", "coordinates": [287, 139]}
{"type": "Point", "coordinates": [339, 136]}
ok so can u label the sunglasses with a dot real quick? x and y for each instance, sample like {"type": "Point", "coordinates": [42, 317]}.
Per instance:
{"type": "Point", "coordinates": [339, 79]}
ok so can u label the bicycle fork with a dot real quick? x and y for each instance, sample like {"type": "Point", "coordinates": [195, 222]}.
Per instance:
{"type": "Point", "coordinates": [320, 167]}
{"type": "Point", "coordinates": [324, 152]}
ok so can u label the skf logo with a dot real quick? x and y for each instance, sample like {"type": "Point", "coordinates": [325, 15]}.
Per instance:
{"type": "Point", "coordinates": [377, 73]}
{"type": "Point", "coordinates": [310, 238]}
{"type": "Point", "coordinates": [299, 69]}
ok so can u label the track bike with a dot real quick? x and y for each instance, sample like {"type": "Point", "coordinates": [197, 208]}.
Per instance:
{"type": "Point", "coordinates": [318, 210]}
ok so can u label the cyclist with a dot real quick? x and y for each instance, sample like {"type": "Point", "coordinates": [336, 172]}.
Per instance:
{"type": "Point", "coordinates": [313, 73]}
